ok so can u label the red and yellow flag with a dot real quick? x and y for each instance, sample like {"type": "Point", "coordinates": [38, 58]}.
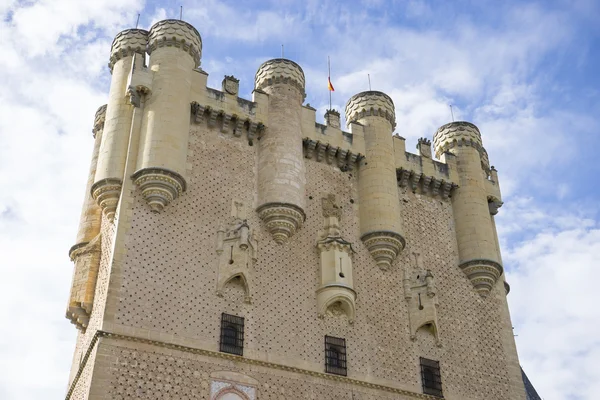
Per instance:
{"type": "Point", "coordinates": [329, 85]}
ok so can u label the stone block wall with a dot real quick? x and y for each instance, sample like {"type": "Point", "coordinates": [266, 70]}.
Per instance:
{"type": "Point", "coordinates": [168, 292]}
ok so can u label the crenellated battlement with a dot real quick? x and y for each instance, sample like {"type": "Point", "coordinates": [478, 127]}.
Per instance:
{"type": "Point", "coordinates": [226, 111]}
{"type": "Point", "coordinates": [328, 143]}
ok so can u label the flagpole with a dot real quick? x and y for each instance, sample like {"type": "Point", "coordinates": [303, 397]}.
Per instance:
{"type": "Point", "coordinates": [329, 79]}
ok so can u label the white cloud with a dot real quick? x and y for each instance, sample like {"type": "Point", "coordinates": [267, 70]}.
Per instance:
{"type": "Point", "coordinates": [228, 23]}
{"type": "Point", "coordinates": [39, 27]}
{"type": "Point", "coordinates": [554, 301]}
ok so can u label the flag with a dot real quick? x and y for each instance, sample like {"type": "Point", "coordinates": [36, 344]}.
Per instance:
{"type": "Point", "coordinates": [329, 85]}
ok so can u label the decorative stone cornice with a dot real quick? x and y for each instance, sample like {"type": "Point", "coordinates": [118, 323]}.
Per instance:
{"type": "Point", "coordinates": [235, 358]}
{"type": "Point", "coordinates": [159, 186]}
{"type": "Point", "coordinates": [428, 185]}
{"type": "Point", "coordinates": [483, 274]}
{"type": "Point", "coordinates": [99, 119]}
{"type": "Point", "coordinates": [282, 220]}
{"type": "Point", "coordinates": [280, 70]}
{"type": "Point", "coordinates": [176, 33]}
{"type": "Point", "coordinates": [346, 160]}
{"type": "Point", "coordinates": [335, 243]}
{"type": "Point", "coordinates": [106, 193]}
{"type": "Point", "coordinates": [83, 248]}
{"type": "Point", "coordinates": [494, 204]}
{"type": "Point", "coordinates": [86, 257]}
{"type": "Point", "coordinates": [229, 122]}
{"type": "Point", "coordinates": [370, 103]}
{"type": "Point", "coordinates": [127, 43]}
{"type": "Point", "coordinates": [384, 247]}
{"type": "Point", "coordinates": [72, 250]}
{"type": "Point", "coordinates": [506, 287]}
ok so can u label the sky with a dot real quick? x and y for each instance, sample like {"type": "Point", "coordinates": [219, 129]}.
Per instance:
{"type": "Point", "coordinates": [526, 73]}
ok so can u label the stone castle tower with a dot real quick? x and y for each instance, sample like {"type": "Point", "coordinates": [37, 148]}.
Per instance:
{"type": "Point", "coordinates": [236, 249]}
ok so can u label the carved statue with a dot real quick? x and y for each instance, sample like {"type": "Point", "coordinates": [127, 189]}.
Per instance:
{"type": "Point", "coordinates": [330, 208]}
{"type": "Point", "coordinates": [420, 294]}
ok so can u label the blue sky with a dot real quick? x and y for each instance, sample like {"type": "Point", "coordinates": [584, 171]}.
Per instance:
{"type": "Point", "coordinates": [525, 72]}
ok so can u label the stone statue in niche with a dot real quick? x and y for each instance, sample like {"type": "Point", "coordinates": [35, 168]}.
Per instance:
{"type": "Point", "coordinates": [237, 251]}
{"type": "Point", "coordinates": [330, 207]}
{"type": "Point", "coordinates": [335, 295]}
{"type": "Point", "coordinates": [420, 294]}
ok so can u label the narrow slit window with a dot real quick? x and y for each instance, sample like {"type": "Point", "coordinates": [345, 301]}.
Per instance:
{"type": "Point", "coordinates": [431, 377]}
{"type": "Point", "coordinates": [232, 334]}
{"type": "Point", "coordinates": [335, 355]}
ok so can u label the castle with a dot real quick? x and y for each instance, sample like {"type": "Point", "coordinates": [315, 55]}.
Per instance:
{"type": "Point", "coordinates": [237, 249]}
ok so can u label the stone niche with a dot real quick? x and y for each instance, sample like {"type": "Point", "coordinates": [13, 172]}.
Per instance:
{"type": "Point", "coordinates": [335, 295]}
{"type": "Point", "coordinates": [237, 251]}
{"type": "Point", "coordinates": [420, 294]}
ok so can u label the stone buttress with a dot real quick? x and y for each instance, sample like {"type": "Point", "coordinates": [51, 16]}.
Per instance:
{"type": "Point", "coordinates": [108, 180]}
{"type": "Point", "coordinates": [281, 170]}
{"type": "Point", "coordinates": [175, 48]}
{"type": "Point", "coordinates": [86, 251]}
{"type": "Point", "coordinates": [472, 203]}
{"type": "Point", "coordinates": [380, 223]}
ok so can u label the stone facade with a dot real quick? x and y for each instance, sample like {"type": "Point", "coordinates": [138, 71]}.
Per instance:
{"type": "Point", "coordinates": [202, 203]}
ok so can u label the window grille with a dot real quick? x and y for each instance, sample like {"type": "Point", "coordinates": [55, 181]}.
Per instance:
{"type": "Point", "coordinates": [335, 355]}
{"type": "Point", "coordinates": [232, 334]}
{"type": "Point", "coordinates": [430, 377]}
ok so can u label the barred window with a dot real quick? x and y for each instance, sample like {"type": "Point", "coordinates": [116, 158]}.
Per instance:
{"type": "Point", "coordinates": [335, 355]}
{"type": "Point", "coordinates": [232, 334]}
{"type": "Point", "coordinates": [430, 377]}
